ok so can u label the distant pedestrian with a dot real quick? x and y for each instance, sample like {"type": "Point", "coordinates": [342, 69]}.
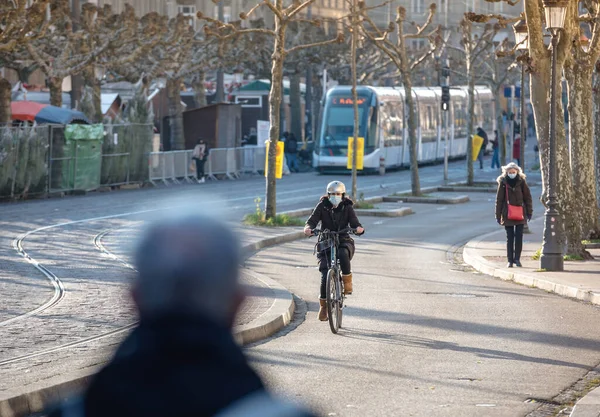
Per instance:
{"type": "Point", "coordinates": [517, 150]}
{"type": "Point", "coordinates": [513, 190]}
{"type": "Point", "coordinates": [182, 360]}
{"type": "Point", "coordinates": [291, 152]}
{"type": "Point", "coordinates": [200, 155]}
{"type": "Point", "coordinates": [481, 133]}
{"type": "Point", "coordinates": [531, 124]}
{"type": "Point", "coordinates": [495, 148]}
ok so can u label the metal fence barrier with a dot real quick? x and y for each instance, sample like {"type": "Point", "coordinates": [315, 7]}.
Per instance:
{"type": "Point", "coordinates": [174, 167]}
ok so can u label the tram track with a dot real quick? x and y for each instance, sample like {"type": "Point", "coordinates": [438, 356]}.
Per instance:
{"type": "Point", "coordinates": [60, 291]}
{"type": "Point", "coordinates": [57, 284]}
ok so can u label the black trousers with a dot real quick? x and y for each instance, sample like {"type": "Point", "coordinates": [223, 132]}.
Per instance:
{"type": "Point", "coordinates": [325, 262]}
{"type": "Point", "coordinates": [514, 242]}
{"type": "Point", "coordinates": [199, 168]}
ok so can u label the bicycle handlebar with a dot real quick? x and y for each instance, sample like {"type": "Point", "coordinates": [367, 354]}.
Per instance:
{"type": "Point", "coordinates": [341, 232]}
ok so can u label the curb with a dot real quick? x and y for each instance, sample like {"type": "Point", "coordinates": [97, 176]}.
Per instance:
{"type": "Point", "coordinates": [469, 189]}
{"type": "Point", "coordinates": [427, 200]}
{"type": "Point", "coordinates": [486, 267]}
{"type": "Point", "coordinates": [588, 406]}
{"type": "Point", "coordinates": [281, 312]}
{"type": "Point", "coordinates": [362, 212]}
{"type": "Point", "coordinates": [401, 212]}
{"type": "Point", "coordinates": [13, 404]}
{"type": "Point", "coordinates": [277, 317]}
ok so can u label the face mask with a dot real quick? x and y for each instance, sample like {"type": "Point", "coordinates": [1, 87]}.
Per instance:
{"type": "Point", "coordinates": [335, 200]}
{"type": "Point", "coordinates": [512, 176]}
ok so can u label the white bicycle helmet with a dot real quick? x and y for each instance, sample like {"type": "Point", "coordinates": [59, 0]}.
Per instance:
{"type": "Point", "coordinates": [336, 187]}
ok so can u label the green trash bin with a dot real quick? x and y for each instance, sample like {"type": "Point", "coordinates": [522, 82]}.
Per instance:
{"type": "Point", "coordinates": [83, 157]}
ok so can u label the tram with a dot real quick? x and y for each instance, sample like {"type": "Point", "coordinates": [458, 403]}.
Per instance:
{"type": "Point", "coordinates": [383, 124]}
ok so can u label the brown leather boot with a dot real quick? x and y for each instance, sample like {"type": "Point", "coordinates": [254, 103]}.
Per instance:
{"type": "Point", "coordinates": [323, 309]}
{"type": "Point", "coordinates": [347, 283]}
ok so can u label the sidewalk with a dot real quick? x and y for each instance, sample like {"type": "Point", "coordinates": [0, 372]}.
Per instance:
{"type": "Point", "coordinates": [580, 280]}
{"type": "Point", "coordinates": [268, 308]}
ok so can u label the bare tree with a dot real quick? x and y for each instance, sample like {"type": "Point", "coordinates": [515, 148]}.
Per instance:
{"type": "Point", "coordinates": [59, 53]}
{"type": "Point", "coordinates": [579, 70]}
{"type": "Point", "coordinates": [474, 48]}
{"type": "Point", "coordinates": [540, 80]}
{"type": "Point", "coordinates": [397, 53]}
{"type": "Point", "coordinates": [21, 21]}
{"type": "Point", "coordinates": [283, 16]}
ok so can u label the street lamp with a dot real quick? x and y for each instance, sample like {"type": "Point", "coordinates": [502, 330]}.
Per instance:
{"type": "Point", "coordinates": [521, 39]}
{"type": "Point", "coordinates": [552, 251]}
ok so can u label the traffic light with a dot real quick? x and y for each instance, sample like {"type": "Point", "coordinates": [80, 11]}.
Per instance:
{"type": "Point", "coordinates": [445, 71]}
{"type": "Point", "coordinates": [445, 98]}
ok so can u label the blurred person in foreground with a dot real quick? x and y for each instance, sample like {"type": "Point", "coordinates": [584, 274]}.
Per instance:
{"type": "Point", "coordinates": [182, 360]}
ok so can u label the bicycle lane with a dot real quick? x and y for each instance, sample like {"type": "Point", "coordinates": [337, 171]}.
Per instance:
{"type": "Point", "coordinates": [424, 336]}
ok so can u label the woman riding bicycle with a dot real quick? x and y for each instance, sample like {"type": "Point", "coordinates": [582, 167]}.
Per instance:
{"type": "Point", "coordinates": [335, 212]}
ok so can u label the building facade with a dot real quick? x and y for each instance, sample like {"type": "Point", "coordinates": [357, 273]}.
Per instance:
{"type": "Point", "coordinates": [330, 9]}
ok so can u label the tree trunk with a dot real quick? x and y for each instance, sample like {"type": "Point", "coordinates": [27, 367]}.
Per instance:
{"type": "Point", "coordinates": [55, 85]}
{"type": "Point", "coordinates": [175, 114]}
{"type": "Point", "coordinates": [97, 99]}
{"type": "Point", "coordinates": [404, 68]}
{"type": "Point", "coordinates": [296, 106]}
{"type": "Point", "coordinates": [499, 126]}
{"type": "Point", "coordinates": [581, 126]}
{"type": "Point", "coordinates": [596, 90]}
{"type": "Point", "coordinates": [90, 79]}
{"type": "Point", "coordinates": [471, 116]}
{"type": "Point", "coordinates": [5, 97]}
{"type": "Point", "coordinates": [354, 46]}
{"type": "Point", "coordinates": [275, 95]}
{"type": "Point", "coordinates": [200, 89]}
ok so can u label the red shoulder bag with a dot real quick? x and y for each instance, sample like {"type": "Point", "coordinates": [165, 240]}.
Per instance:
{"type": "Point", "coordinates": [514, 212]}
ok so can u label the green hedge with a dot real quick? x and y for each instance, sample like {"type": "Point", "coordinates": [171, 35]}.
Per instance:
{"type": "Point", "coordinates": [23, 161]}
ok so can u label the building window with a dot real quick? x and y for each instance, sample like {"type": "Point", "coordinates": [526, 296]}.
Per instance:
{"type": "Point", "coordinates": [249, 101]}
{"type": "Point", "coordinates": [189, 12]}
{"type": "Point", "coordinates": [418, 6]}
{"type": "Point", "coordinates": [226, 13]}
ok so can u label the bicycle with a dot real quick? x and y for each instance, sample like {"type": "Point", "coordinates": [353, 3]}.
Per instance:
{"type": "Point", "coordinates": [335, 284]}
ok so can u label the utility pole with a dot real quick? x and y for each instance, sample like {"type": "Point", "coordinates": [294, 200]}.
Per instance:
{"type": "Point", "coordinates": [220, 93]}
{"type": "Point", "coordinates": [354, 24]}
{"type": "Point", "coordinates": [308, 104]}
{"type": "Point", "coordinates": [76, 79]}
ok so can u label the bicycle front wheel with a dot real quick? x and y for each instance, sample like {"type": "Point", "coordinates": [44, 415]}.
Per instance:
{"type": "Point", "coordinates": [334, 310]}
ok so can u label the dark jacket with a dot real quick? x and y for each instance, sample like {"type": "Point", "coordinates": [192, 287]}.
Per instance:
{"type": "Point", "coordinates": [335, 219]}
{"type": "Point", "coordinates": [519, 195]}
{"type": "Point", "coordinates": [173, 367]}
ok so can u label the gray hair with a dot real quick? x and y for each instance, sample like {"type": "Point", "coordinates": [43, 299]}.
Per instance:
{"type": "Point", "coordinates": [188, 265]}
{"type": "Point", "coordinates": [512, 165]}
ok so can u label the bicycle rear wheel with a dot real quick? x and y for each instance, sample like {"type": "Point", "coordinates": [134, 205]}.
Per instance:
{"type": "Point", "coordinates": [334, 310]}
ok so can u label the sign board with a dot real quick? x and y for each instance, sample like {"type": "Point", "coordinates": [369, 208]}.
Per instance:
{"type": "Point", "coordinates": [262, 131]}
{"type": "Point", "coordinates": [477, 142]}
{"type": "Point", "coordinates": [360, 154]}
{"type": "Point", "coordinates": [508, 92]}
{"type": "Point", "coordinates": [278, 160]}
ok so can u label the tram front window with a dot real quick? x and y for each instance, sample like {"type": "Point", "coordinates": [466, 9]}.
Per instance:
{"type": "Point", "coordinates": [339, 126]}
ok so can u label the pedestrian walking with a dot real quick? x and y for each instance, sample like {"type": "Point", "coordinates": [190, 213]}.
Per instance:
{"type": "Point", "coordinates": [291, 152]}
{"type": "Point", "coordinates": [200, 155]}
{"type": "Point", "coordinates": [481, 133]}
{"type": "Point", "coordinates": [517, 150]}
{"type": "Point", "coordinates": [181, 359]}
{"type": "Point", "coordinates": [514, 208]}
{"type": "Point", "coordinates": [495, 148]}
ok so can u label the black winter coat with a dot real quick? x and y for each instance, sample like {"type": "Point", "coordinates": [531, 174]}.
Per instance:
{"type": "Point", "coordinates": [335, 219]}
{"type": "Point", "coordinates": [519, 195]}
